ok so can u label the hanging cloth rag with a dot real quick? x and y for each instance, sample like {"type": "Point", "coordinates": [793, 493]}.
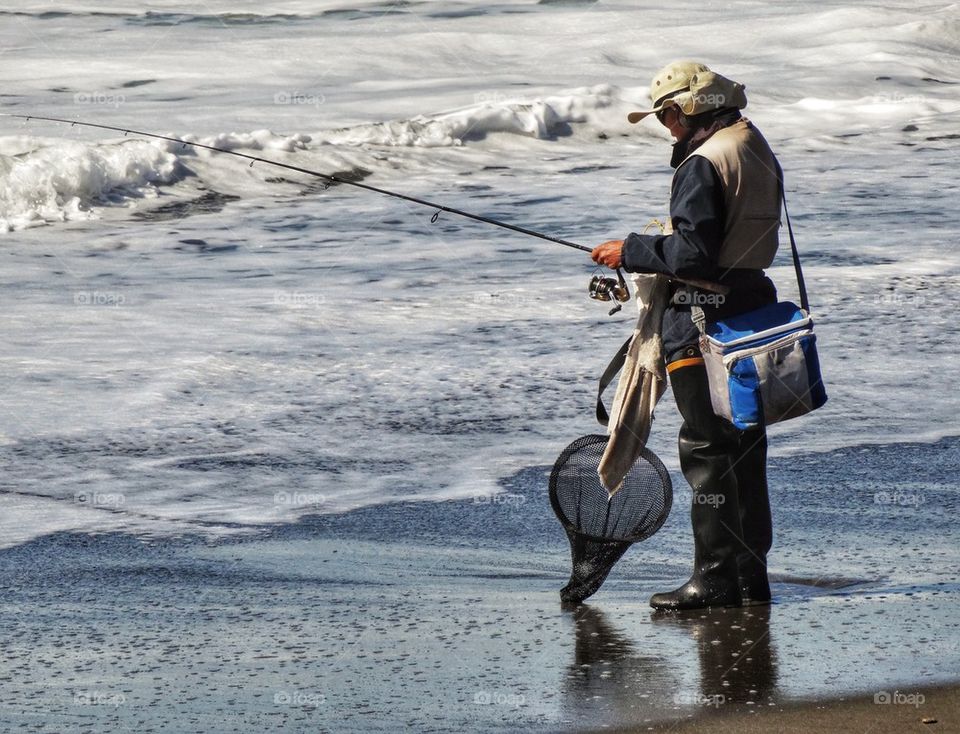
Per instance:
{"type": "Point", "coordinates": [641, 385]}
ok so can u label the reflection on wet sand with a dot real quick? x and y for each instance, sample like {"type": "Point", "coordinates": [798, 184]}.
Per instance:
{"type": "Point", "coordinates": [609, 674]}
{"type": "Point", "coordinates": [738, 662]}
{"type": "Point", "coordinates": [732, 648]}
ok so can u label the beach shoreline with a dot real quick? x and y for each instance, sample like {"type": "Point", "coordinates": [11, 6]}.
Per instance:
{"type": "Point", "coordinates": [446, 616]}
{"type": "Point", "coordinates": [934, 709]}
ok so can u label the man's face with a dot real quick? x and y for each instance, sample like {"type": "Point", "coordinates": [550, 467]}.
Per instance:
{"type": "Point", "coordinates": [669, 117]}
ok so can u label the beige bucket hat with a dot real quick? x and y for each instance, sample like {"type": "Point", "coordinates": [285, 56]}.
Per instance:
{"type": "Point", "coordinates": [693, 88]}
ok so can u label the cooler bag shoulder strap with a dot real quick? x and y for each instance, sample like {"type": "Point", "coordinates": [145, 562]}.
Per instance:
{"type": "Point", "coordinates": [603, 418]}
{"type": "Point", "coordinates": [801, 284]}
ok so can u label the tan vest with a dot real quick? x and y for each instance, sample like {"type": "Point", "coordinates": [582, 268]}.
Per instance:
{"type": "Point", "coordinates": [751, 190]}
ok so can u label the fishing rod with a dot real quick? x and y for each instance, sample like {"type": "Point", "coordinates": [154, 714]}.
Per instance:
{"type": "Point", "coordinates": [601, 288]}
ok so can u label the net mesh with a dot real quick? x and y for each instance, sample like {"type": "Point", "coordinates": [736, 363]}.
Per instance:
{"type": "Point", "coordinates": [600, 528]}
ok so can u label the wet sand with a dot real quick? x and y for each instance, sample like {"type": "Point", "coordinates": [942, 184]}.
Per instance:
{"type": "Point", "coordinates": [446, 617]}
{"type": "Point", "coordinates": [928, 710]}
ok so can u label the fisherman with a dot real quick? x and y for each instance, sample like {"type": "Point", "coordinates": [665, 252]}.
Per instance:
{"type": "Point", "coordinates": [724, 222]}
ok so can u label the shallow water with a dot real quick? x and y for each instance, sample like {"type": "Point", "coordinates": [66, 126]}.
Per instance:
{"type": "Point", "coordinates": [187, 338]}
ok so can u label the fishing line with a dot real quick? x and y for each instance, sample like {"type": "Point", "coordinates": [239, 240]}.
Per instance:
{"type": "Point", "coordinates": [616, 294]}
{"type": "Point", "coordinates": [331, 178]}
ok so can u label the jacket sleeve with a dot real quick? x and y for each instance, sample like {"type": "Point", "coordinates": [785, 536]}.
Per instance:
{"type": "Point", "coordinates": [697, 213]}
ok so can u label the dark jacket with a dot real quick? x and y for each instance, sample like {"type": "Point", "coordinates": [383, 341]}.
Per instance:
{"type": "Point", "coordinates": [697, 215]}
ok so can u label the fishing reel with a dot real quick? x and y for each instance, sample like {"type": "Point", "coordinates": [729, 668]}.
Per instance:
{"type": "Point", "coordinates": [606, 288]}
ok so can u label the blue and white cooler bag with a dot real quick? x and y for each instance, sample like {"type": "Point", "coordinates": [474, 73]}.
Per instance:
{"type": "Point", "coordinates": [762, 366]}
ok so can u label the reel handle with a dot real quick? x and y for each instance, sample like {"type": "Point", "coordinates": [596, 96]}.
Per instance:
{"type": "Point", "coordinates": [621, 293]}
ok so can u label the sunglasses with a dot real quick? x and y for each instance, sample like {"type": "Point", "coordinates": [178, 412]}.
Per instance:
{"type": "Point", "coordinates": [662, 114]}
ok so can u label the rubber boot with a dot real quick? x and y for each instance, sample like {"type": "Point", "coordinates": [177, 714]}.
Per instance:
{"type": "Point", "coordinates": [755, 520]}
{"type": "Point", "coordinates": [708, 446]}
